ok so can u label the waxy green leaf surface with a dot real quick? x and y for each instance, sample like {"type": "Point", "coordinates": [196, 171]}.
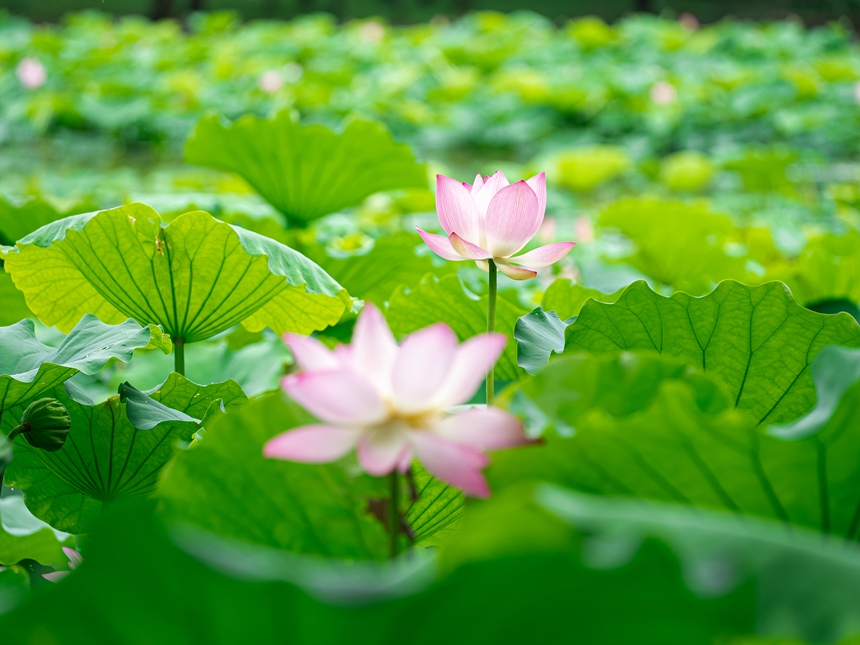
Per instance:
{"type": "Point", "coordinates": [306, 171]}
{"type": "Point", "coordinates": [195, 277]}
{"type": "Point", "coordinates": [756, 340]}
{"type": "Point", "coordinates": [29, 368]}
{"type": "Point", "coordinates": [106, 460]}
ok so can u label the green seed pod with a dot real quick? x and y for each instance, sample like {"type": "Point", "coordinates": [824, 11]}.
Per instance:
{"type": "Point", "coordinates": [45, 424]}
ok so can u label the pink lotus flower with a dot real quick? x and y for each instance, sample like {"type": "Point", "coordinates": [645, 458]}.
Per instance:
{"type": "Point", "coordinates": [271, 81]}
{"type": "Point", "coordinates": [663, 93]}
{"type": "Point", "coordinates": [31, 73]}
{"type": "Point", "coordinates": [75, 559]}
{"type": "Point", "coordinates": [492, 220]}
{"type": "Point", "coordinates": [389, 402]}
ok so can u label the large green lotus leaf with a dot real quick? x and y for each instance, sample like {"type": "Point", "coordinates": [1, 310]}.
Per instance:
{"type": "Point", "coordinates": [23, 536]}
{"type": "Point", "coordinates": [106, 460]}
{"type": "Point", "coordinates": [5, 456]}
{"type": "Point", "coordinates": [679, 244]}
{"type": "Point", "coordinates": [14, 306]}
{"type": "Point", "coordinates": [534, 595]}
{"type": "Point", "coordinates": [20, 219]}
{"type": "Point", "coordinates": [28, 368]}
{"type": "Point", "coordinates": [566, 297]}
{"type": "Point", "coordinates": [226, 486]}
{"type": "Point", "coordinates": [805, 586]}
{"type": "Point", "coordinates": [195, 277]}
{"type": "Point", "coordinates": [648, 426]}
{"type": "Point", "coordinates": [757, 340]}
{"type": "Point", "coordinates": [306, 171]}
{"type": "Point", "coordinates": [447, 300]}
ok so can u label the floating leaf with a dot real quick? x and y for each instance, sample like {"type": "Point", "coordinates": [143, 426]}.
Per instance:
{"type": "Point", "coordinates": [195, 277]}
{"type": "Point", "coordinates": [106, 460]}
{"type": "Point", "coordinates": [447, 300]}
{"type": "Point", "coordinates": [226, 486]}
{"type": "Point", "coordinates": [29, 368]}
{"type": "Point", "coordinates": [539, 333]}
{"type": "Point", "coordinates": [649, 426]}
{"type": "Point", "coordinates": [306, 171]}
{"type": "Point", "coordinates": [23, 536]}
{"type": "Point", "coordinates": [757, 340]}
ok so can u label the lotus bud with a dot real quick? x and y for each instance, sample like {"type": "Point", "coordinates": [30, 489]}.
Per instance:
{"type": "Point", "coordinates": [45, 424]}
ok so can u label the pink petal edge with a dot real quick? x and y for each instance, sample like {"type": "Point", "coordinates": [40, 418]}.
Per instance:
{"type": "Point", "coordinates": [468, 250]}
{"type": "Point", "coordinates": [440, 245]}
{"type": "Point", "coordinates": [312, 444]}
{"type": "Point", "coordinates": [543, 256]}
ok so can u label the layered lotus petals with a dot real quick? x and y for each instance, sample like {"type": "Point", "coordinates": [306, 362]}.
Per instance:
{"type": "Point", "coordinates": [75, 559]}
{"type": "Point", "coordinates": [492, 220]}
{"type": "Point", "coordinates": [388, 402]}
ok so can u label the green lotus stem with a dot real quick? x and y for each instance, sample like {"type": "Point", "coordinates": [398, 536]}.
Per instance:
{"type": "Point", "coordinates": [394, 515]}
{"type": "Point", "coordinates": [491, 326]}
{"type": "Point", "coordinates": [18, 430]}
{"type": "Point", "coordinates": [179, 355]}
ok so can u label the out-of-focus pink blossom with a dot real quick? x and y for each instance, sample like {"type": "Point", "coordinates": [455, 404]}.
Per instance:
{"type": "Point", "coordinates": [372, 32]}
{"type": "Point", "coordinates": [271, 81]}
{"type": "Point", "coordinates": [75, 560]}
{"type": "Point", "coordinates": [689, 21]}
{"type": "Point", "coordinates": [547, 230]}
{"type": "Point", "coordinates": [388, 402]}
{"type": "Point", "coordinates": [663, 92]}
{"type": "Point", "coordinates": [583, 229]}
{"type": "Point", "coordinates": [491, 220]}
{"type": "Point", "coordinates": [31, 73]}
{"type": "Point", "coordinates": [857, 91]}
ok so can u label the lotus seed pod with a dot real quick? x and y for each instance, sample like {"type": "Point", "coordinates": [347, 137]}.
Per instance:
{"type": "Point", "coordinates": [45, 424]}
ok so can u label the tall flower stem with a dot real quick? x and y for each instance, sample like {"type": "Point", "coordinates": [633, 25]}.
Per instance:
{"type": "Point", "coordinates": [179, 355]}
{"type": "Point", "coordinates": [491, 326]}
{"type": "Point", "coordinates": [394, 515]}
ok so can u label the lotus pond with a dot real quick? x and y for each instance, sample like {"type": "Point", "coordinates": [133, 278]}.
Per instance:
{"type": "Point", "coordinates": [296, 346]}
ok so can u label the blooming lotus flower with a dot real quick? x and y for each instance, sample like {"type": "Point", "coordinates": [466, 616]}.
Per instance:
{"type": "Point", "coordinates": [388, 401]}
{"type": "Point", "coordinates": [75, 559]}
{"type": "Point", "coordinates": [492, 220]}
{"type": "Point", "coordinates": [31, 73]}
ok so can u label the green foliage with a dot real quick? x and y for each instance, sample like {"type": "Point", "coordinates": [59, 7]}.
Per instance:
{"type": "Point", "coordinates": [195, 277]}
{"type": "Point", "coordinates": [566, 297]}
{"type": "Point", "coordinates": [687, 171]}
{"type": "Point", "coordinates": [539, 333]}
{"type": "Point", "coordinates": [14, 306]}
{"type": "Point", "coordinates": [19, 220]}
{"type": "Point", "coordinates": [301, 508]}
{"type": "Point", "coordinates": [677, 243]}
{"type": "Point", "coordinates": [306, 171]}
{"type": "Point", "coordinates": [651, 427]}
{"type": "Point", "coordinates": [756, 340]}
{"type": "Point", "coordinates": [106, 460]}
{"type": "Point", "coordinates": [583, 169]}
{"type": "Point", "coordinates": [447, 300]}
{"type": "Point", "coordinates": [374, 274]}
{"type": "Point", "coordinates": [23, 536]}
{"type": "Point", "coordinates": [29, 368]}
